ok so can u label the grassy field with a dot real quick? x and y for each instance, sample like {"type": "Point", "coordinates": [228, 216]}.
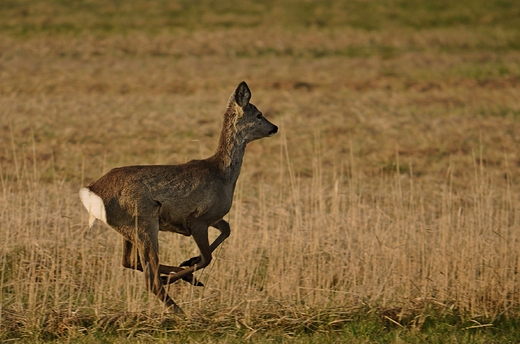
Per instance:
{"type": "Point", "coordinates": [385, 210]}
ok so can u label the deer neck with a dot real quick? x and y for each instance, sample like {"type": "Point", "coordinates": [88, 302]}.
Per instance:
{"type": "Point", "coordinates": [230, 152]}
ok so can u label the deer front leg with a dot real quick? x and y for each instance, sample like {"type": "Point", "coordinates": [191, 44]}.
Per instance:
{"type": "Point", "coordinates": [200, 235]}
{"type": "Point", "coordinates": [224, 229]}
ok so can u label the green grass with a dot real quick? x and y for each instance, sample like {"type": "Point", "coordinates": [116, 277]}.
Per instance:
{"type": "Point", "coordinates": [361, 326]}
{"type": "Point", "coordinates": [27, 18]}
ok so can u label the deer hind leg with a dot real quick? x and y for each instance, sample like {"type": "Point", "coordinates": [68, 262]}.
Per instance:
{"type": "Point", "coordinates": [132, 261]}
{"type": "Point", "coordinates": [171, 270]}
{"type": "Point", "coordinates": [224, 229]}
{"type": "Point", "coordinates": [148, 247]}
{"type": "Point", "coordinates": [131, 258]}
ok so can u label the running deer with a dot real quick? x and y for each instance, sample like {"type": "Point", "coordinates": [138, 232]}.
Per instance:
{"type": "Point", "coordinates": [139, 201]}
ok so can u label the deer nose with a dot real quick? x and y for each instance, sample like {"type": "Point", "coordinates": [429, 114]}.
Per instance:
{"type": "Point", "coordinates": [273, 131]}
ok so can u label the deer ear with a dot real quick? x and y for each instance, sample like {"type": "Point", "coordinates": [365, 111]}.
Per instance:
{"type": "Point", "coordinates": [242, 94]}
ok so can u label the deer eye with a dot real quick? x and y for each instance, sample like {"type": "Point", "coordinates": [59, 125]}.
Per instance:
{"type": "Point", "coordinates": [259, 116]}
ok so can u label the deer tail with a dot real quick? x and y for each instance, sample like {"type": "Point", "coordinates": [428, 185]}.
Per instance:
{"type": "Point", "coordinates": [94, 205]}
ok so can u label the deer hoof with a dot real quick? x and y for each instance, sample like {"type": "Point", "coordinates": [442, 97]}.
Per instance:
{"type": "Point", "coordinates": [190, 262]}
{"type": "Point", "coordinates": [177, 311]}
{"type": "Point", "coordinates": [193, 280]}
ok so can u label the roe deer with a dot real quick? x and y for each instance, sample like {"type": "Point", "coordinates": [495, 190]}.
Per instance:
{"type": "Point", "coordinates": [139, 201]}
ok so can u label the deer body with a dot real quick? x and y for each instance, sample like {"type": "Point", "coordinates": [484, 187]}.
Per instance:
{"type": "Point", "coordinates": [140, 201]}
{"type": "Point", "coordinates": [198, 186]}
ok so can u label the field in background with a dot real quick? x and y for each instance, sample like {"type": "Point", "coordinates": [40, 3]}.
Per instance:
{"type": "Point", "coordinates": [386, 208]}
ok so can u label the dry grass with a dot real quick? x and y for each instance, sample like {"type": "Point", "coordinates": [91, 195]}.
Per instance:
{"type": "Point", "coordinates": [391, 189]}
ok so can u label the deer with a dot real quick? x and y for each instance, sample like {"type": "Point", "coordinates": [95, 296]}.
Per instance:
{"type": "Point", "coordinates": [140, 201]}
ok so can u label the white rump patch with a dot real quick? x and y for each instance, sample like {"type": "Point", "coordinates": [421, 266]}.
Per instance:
{"type": "Point", "coordinates": [94, 205]}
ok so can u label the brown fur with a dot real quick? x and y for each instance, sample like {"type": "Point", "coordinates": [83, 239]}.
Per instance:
{"type": "Point", "coordinates": [140, 201]}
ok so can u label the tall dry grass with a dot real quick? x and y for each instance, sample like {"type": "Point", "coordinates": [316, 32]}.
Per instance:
{"type": "Point", "coordinates": [300, 243]}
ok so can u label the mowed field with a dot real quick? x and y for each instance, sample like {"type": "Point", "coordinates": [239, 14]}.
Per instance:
{"type": "Point", "coordinates": [386, 209]}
